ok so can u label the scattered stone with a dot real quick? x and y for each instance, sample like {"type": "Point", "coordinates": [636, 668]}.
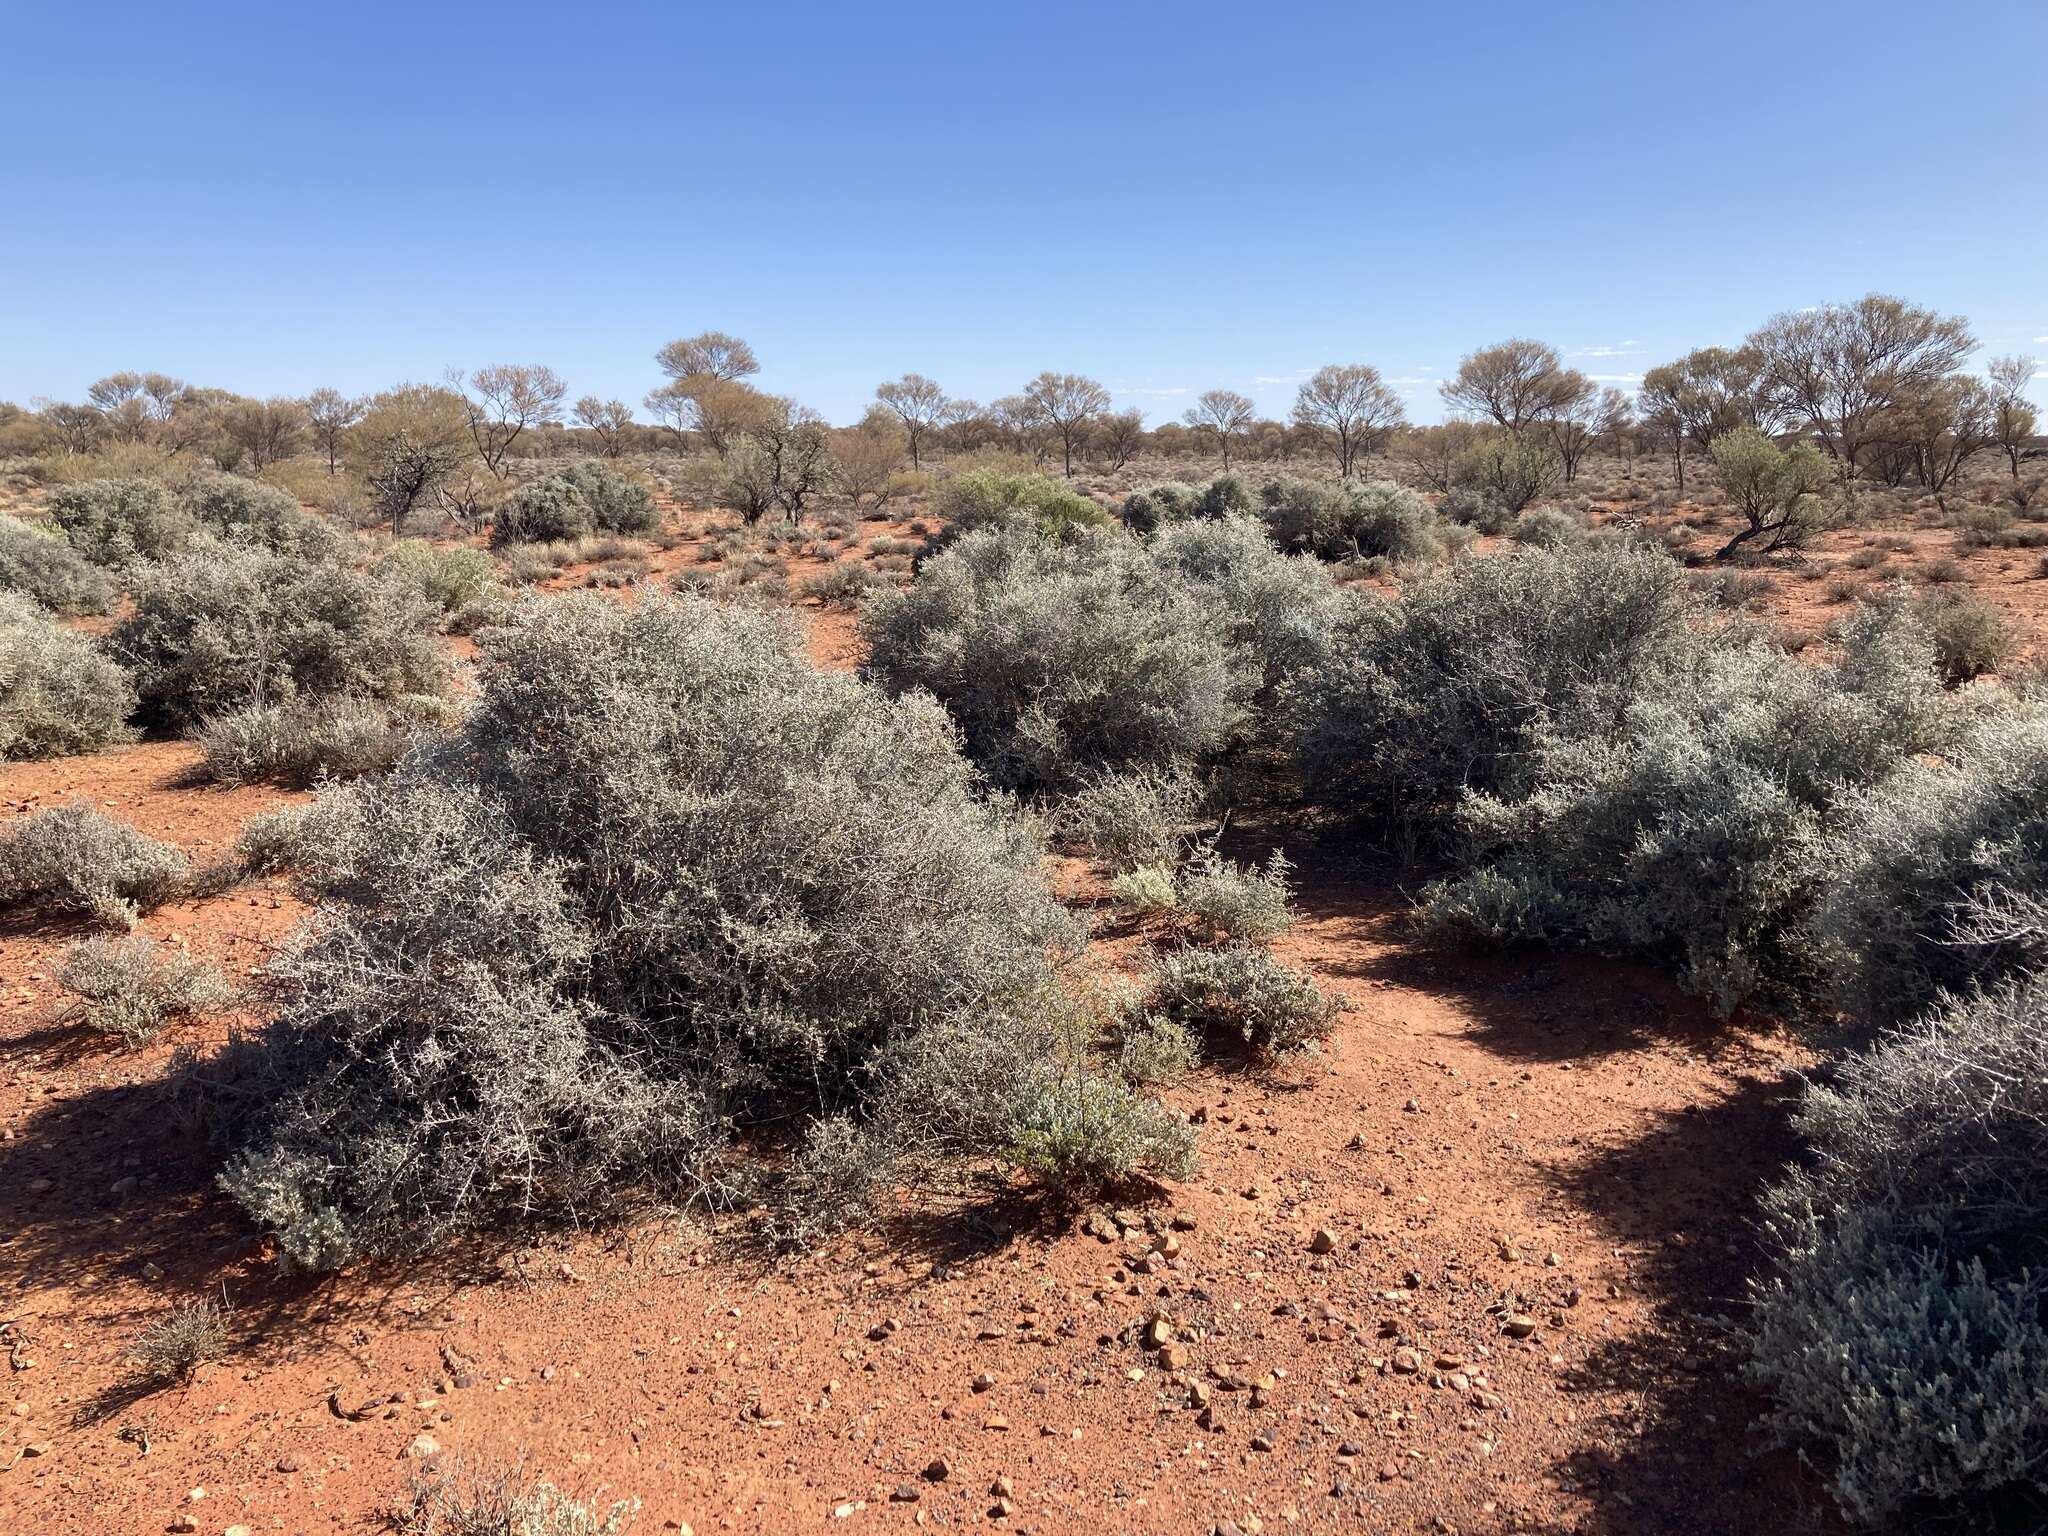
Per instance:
{"type": "Point", "coordinates": [1002, 1488]}
{"type": "Point", "coordinates": [423, 1447]}
{"type": "Point", "coordinates": [883, 1329]}
{"type": "Point", "coordinates": [1261, 1443]}
{"type": "Point", "coordinates": [1209, 1421]}
{"type": "Point", "coordinates": [938, 1471]}
{"type": "Point", "coordinates": [1323, 1242]}
{"type": "Point", "coordinates": [1406, 1362]}
{"type": "Point", "coordinates": [906, 1493]}
{"type": "Point", "coordinates": [1173, 1357]}
{"type": "Point", "coordinates": [287, 1463]}
{"type": "Point", "coordinates": [37, 1448]}
{"type": "Point", "coordinates": [1519, 1325]}
{"type": "Point", "coordinates": [982, 1381]}
{"type": "Point", "coordinates": [236, 1530]}
{"type": "Point", "coordinates": [1350, 1448]}
{"type": "Point", "coordinates": [995, 1421]}
{"type": "Point", "coordinates": [185, 1523]}
{"type": "Point", "coordinates": [1183, 1221]}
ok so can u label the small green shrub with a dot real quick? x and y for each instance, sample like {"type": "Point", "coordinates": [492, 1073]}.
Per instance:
{"type": "Point", "coordinates": [1138, 817]}
{"type": "Point", "coordinates": [1150, 1049]}
{"type": "Point", "coordinates": [1233, 901]}
{"type": "Point", "coordinates": [126, 987]}
{"type": "Point", "coordinates": [173, 1347]}
{"type": "Point", "coordinates": [460, 582]}
{"type": "Point", "coordinates": [842, 584]}
{"type": "Point", "coordinates": [307, 739]}
{"type": "Point", "coordinates": [44, 567]}
{"type": "Point", "coordinates": [1145, 889]}
{"type": "Point", "coordinates": [1971, 636]}
{"type": "Point", "coordinates": [1085, 1134]}
{"type": "Point", "coordinates": [248, 512]}
{"type": "Point", "coordinates": [77, 859]}
{"type": "Point", "coordinates": [116, 523]}
{"type": "Point", "coordinates": [59, 692]}
{"type": "Point", "coordinates": [993, 498]}
{"type": "Point", "coordinates": [1240, 991]}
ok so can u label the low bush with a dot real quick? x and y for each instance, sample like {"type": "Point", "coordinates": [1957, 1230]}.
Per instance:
{"type": "Point", "coordinates": [220, 630]}
{"type": "Point", "coordinates": [303, 740]}
{"type": "Point", "coordinates": [1240, 992]}
{"type": "Point", "coordinates": [666, 882]}
{"type": "Point", "coordinates": [1356, 520]}
{"type": "Point", "coordinates": [994, 498]}
{"type": "Point", "coordinates": [116, 523]}
{"type": "Point", "coordinates": [45, 568]}
{"type": "Point", "coordinates": [541, 512]}
{"type": "Point", "coordinates": [175, 1346]}
{"type": "Point", "coordinates": [248, 512]}
{"type": "Point", "coordinates": [1150, 509]}
{"type": "Point", "coordinates": [76, 859]}
{"type": "Point", "coordinates": [59, 692]}
{"type": "Point", "coordinates": [450, 1497]}
{"type": "Point", "coordinates": [1899, 1328]}
{"type": "Point", "coordinates": [1150, 1049]}
{"type": "Point", "coordinates": [460, 582]}
{"type": "Point", "coordinates": [618, 503]}
{"type": "Point", "coordinates": [1452, 688]}
{"type": "Point", "coordinates": [1971, 636]}
{"type": "Point", "coordinates": [1235, 901]}
{"type": "Point", "coordinates": [1144, 889]}
{"type": "Point", "coordinates": [127, 987]}
{"type": "Point", "coordinates": [1696, 830]}
{"type": "Point", "coordinates": [1084, 1133]}
{"type": "Point", "coordinates": [842, 584]}
{"type": "Point", "coordinates": [1548, 528]}
{"type": "Point", "coordinates": [1140, 817]}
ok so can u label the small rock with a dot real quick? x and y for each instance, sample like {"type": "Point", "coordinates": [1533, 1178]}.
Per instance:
{"type": "Point", "coordinates": [1406, 1362]}
{"type": "Point", "coordinates": [1519, 1325]}
{"type": "Point", "coordinates": [37, 1448]}
{"type": "Point", "coordinates": [982, 1381]}
{"type": "Point", "coordinates": [287, 1463]}
{"type": "Point", "coordinates": [938, 1471]}
{"type": "Point", "coordinates": [236, 1530]}
{"type": "Point", "coordinates": [1002, 1509]}
{"type": "Point", "coordinates": [1323, 1242]}
{"type": "Point", "coordinates": [423, 1447]}
{"type": "Point", "coordinates": [1002, 1488]}
{"type": "Point", "coordinates": [906, 1493]}
{"type": "Point", "coordinates": [1261, 1443]}
{"type": "Point", "coordinates": [1173, 1357]}
{"type": "Point", "coordinates": [185, 1523]}
{"type": "Point", "coordinates": [1208, 1420]}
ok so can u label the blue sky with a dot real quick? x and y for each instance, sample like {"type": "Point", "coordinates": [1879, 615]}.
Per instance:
{"type": "Point", "coordinates": [1170, 198]}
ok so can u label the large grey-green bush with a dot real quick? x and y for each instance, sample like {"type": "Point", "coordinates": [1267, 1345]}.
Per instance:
{"type": "Point", "coordinates": [1899, 1328]}
{"type": "Point", "coordinates": [618, 503]}
{"type": "Point", "coordinates": [1697, 830]}
{"type": "Point", "coordinates": [1352, 520]}
{"type": "Point", "coordinates": [227, 627]}
{"type": "Point", "coordinates": [1942, 873]}
{"type": "Point", "coordinates": [42, 565]}
{"type": "Point", "coordinates": [116, 523]}
{"type": "Point", "coordinates": [667, 884]}
{"type": "Point", "coordinates": [1061, 660]}
{"type": "Point", "coordinates": [59, 693]}
{"type": "Point", "coordinates": [1454, 687]}
{"type": "Point", "coordinates": [540, 512]}
{"type": "Point", "coordinates": [248, 512]}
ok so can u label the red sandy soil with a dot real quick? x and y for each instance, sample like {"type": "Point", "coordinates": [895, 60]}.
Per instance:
{"type": "Point", "coordinates": [1568, 1142]}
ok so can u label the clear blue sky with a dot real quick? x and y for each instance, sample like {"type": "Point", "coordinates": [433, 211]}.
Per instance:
{"type": "Point", "coordinates": [271, 197]}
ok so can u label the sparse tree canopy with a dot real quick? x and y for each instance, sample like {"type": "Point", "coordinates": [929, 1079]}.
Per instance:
{"type": "Point", "coordinates": [1224, 412]}
{"type": "Point", "coordinates": [2014, 415]}
{"type": "Point", "coordinates": [330, 413]}
{"type": "Point", "coordinates": [919, 404]}
{"type": "Point", "coordinates": [1514, 383]}
{"type": "Point", "coordinates": [609, 419]}
{"type": "Point", "coordinates": [265, 431]}
{"type": "Point", "coordinates": [505, 399]}
{"type": "Point", "coordinates": [712, 355]}
{"type": "Point", "coordinates": [1120, 434]}
{"type": "Point", "coordinates": [1067, 404]}
{"type": "Point", "coordinates": [1841, 367]}
{"type": "Point", "coordinates": [1349, 406]}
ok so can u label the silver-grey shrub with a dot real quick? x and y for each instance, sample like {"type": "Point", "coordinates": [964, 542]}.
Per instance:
{"type": "Point", "coordinates": [129, 988]}
{"type": "Point", "coordinates": [1238, 901]}
{"type": "Point", "coordinates": [74, 858]}
{"type": "Point", "coordinates": [226, 627]}
{"type": "Point", "coordinates": [618, 503]}
{"type": "Point", "coordinates": [248, 512]}
{"type": "Point", "coordinates": [1697, 829]}
{"type": "Point", "coordinates": [59, 692]}
{"type": "Point", "coordinates": [1139, 817]}
{"type": "Point", "coordinates": [540, 512]}
{"type": "Point", "coordinates": [1942, 873]}
{"type": "Point", "coordinates": [301, 740]}
{"type": "Point", "coordinates": [1899, 1328]}
{"type": "Point", "coordinates": [43, 566]}
{"type": "Point", "coordinates": [1242, 993]}
{"type": "Point", "coordinates": [667, 881]}
{"type": "Point", "coordinates": [1453, 687]}
{"type": "Point", "coordinates": [1061, 660]}
{"type": "Point", "coordinates": [116, 523]}
{"type": "Point", "coordinates": [1357, 519]}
